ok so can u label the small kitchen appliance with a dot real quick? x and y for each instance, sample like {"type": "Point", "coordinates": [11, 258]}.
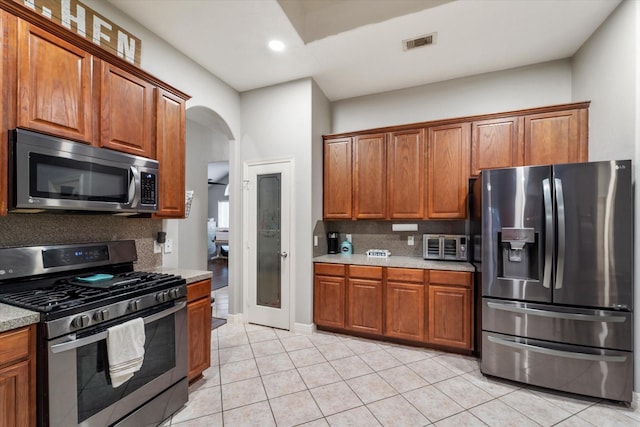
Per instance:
{"type": "Point", "coordinates": [46, 172]}
{"type": "Point", "coordinates": [333, 242]}
{"type": "Point", "coordinates": [81, 291]}
{"type": "Point", "coordinates": [557, 277]}
{"type": "Point", "coordinates": [445, 247]}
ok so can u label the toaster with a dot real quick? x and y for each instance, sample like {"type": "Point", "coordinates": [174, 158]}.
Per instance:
{"type": "Point", "coordinates": [451, 247]}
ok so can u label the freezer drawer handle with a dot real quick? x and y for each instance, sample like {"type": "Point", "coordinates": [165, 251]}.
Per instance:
{"type": "Point", "coordinates": [555, 314]}
{"type": "Point", "coordinates": [548, 244]}
{"type": "Point", "coordinates": [559, 353]}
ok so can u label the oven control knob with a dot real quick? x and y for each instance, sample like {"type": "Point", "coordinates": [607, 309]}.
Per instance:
{"type": "Point", "coordinates": [162, 296]}
{"type": "Point", "coordinates": [80, 321]}
{"type": "Point", "coordinates": [134, 305]}
{"type": "Point", "coordinates": [101, 315]}
{"type": "Point", "coordinates": [174, 293]}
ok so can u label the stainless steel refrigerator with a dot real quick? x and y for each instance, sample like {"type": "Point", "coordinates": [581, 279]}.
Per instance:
{"type": "Point", "coordinates": [557, 277]}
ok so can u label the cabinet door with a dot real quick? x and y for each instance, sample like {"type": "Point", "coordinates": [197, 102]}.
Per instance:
{"type": "Point", "coordinates": [406, 174]}
{"type": "Point", "coordinates": [556, 137]}
{"type": "Point", "coordinates": [365, 306]}
{"type": "Point", "coordinates": [448, 170]}
{"type": "Point", "coordinates": [496, 143]}
{"type": "Point", "coordinates": [170, 144]}
{"type": "Point", "coordinates": [54, 85]}
{"type": "Point", "coordinates": [337, 179]}
{"type": "Point", "coordinates": [14, 396]}
{"type": "Point", "coordinates": [369, 178]}
{"type": "Point", "coordinates": [329, 301]}
{"type": "Point", "coordinates": [126, 112]}
{"type": "Point", "coordinates": [199, 327]}
{"type": "Point", "coordinates": [405, 316]}
{"type": "Point", "coordinates": [7, 98]}
{"type": "Point", "coordinates": [450, 309]}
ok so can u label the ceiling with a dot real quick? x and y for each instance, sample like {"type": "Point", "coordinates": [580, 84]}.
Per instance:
{"type": "Point", "coordinates": [354, 47]}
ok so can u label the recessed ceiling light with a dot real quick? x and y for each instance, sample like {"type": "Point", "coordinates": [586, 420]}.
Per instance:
{"type": "Point", "coordinates": [276, 45]}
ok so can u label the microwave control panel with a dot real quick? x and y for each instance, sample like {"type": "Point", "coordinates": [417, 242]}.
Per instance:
{"type": "Point", "coordinates": [148, 188]}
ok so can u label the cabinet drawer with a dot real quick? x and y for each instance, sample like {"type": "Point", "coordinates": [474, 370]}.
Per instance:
{"type": "Point", "coordinates": [365, 272]}
{"type": "Point", "coordinates": [199, 290]}
{"type": "Point", "coordinates": [330, 269]}
{"type": "Point", "coordinates": [14, 346]}
{"type": "Point", "coordinates": [405, 275]}
{"type": "Point", "coordinates": [462, 278]}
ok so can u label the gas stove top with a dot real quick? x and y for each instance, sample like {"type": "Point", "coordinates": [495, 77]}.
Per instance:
{"type": "Point", "coordinates": [75, 287]}
{"type": "Point", "coordinates": [65, 295]}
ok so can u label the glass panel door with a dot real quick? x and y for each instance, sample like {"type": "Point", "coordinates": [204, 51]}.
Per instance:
{"type": "Point", "coordinates": [268, 240]}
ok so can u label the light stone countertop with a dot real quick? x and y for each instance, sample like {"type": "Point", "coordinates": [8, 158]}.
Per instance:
{"type": "Point", "coordinates": [14, 317]}
{"type": "Point", "coordinates": [189, 275]}
{"type": "Point", "coordinates": [396, 261]}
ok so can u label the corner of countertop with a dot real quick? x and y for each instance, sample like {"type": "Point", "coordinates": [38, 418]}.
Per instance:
{"type": "Point", "coordinates": [14, 317]}
{"type": "Point", "coordinates": [190, 275]}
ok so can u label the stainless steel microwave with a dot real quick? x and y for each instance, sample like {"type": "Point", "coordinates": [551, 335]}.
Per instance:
{"type": "Point", "coordinates": [445, 247]}
{"type": "Point", "coordinates": [46, 172]}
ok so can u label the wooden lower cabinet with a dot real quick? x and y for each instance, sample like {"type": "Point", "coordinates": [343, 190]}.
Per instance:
{"type": "Point", "coordinates": [17, 377]}
{"type": "Point", "coordinates": [199, 327]}
{"type": "Point", "coordinates": [329, 295]}
{"type": "Point", "coordinates": [405, 304]}
{"type": "Point", "coordinates": [364, 299]}
{"type": "Point", "coordinates": [432, 307]}
{"type": "Point", "coordinates": [450, 309]}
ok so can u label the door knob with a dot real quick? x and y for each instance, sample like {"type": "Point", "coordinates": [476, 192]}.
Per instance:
{"type": "Point", "coordinates": [283, 255]}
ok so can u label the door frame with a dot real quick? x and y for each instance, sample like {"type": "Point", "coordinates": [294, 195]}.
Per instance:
{"type": "Point", "coordinates": [246, 261]}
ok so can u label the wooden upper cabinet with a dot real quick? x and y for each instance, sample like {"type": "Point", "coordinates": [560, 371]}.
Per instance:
{"type": "Point", "coordinates": [405, 171]}
{"type": "Point", "coordinates": [369, 177]}
{"type": "Point", "coordinates": [126, 112]}
{"type": "Point", "coordinates": [54, 85]}
{"type": "Point", "coordinates": [556, 137]}
{"type": "Point", "coordinates": [337, 195]}
{"type": "Point", "coordinates": [496, 143]}
{"type": "Point", "coordinates": [447, 170]}
{"type": "Point", "coordinates": [170, 145]}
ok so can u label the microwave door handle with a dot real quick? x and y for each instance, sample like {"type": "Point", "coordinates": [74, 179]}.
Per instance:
{"type": "Point", "coordinates": [133, 184]}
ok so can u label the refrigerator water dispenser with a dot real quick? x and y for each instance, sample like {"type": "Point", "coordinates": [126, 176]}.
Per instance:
{"type": "Point", "coordinates": [518, 253]}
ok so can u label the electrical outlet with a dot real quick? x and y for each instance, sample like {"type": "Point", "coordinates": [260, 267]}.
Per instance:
{"type": "Point", "coordinates": [315, 240]}
{"type": "Point", "coordinates": [349, 238]}
{"type": "Point", "coordinates": [157, 247]}
{"type": "Point", "coordinates": [410, 241]}
{"type": "Point", "coordinates": [168, 246]}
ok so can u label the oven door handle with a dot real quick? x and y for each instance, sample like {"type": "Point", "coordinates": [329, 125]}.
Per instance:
{"type": "Point", "coordinates": [75, 343]}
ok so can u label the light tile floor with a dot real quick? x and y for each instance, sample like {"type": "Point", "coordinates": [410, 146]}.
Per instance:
{"type": "Point", "coordinates": [267, 377]}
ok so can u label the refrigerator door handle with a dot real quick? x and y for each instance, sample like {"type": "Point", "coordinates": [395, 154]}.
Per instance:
{"type": "Point", "coordinates": [548, 244]}
{"type": "Point", "coordinates": [561, 233]}
{"type": "Point", "coordinates": [555, 314]}
{"type": "Point", "coordinates": [558, 353]}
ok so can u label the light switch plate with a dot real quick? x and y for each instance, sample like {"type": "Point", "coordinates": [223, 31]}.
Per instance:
{"type": "Point", "coordinates": [157, 247]}
{"type": "Point", "coordinates": [349, 238]}
{"type": "Point", "coordinates": [168, 246]}
{"type": "Point", "coordinates": [410, 241]}
{"type": "Point", "coordinates": [315, 240]}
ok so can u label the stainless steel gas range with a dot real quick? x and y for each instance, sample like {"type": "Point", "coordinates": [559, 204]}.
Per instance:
{"type": "Point", "coordinates": [81, 292]}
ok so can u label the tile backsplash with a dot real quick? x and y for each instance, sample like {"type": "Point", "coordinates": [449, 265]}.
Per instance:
{"type": "Point", "coordinates": [367, 235]}
{"type": "Point", "coordinates": [46, 229]}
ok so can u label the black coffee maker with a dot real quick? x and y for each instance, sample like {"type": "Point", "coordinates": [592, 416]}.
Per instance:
{"type": "Point", "coordinates": [333, 242]}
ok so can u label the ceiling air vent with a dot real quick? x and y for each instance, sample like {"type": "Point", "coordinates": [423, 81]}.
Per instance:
{"type": "Point", "coordinates": [425, 40]}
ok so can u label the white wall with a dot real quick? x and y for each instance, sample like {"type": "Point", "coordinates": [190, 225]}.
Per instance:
{"type": "Point", "coordinates": [526, 87]}
{"type": "Point", "coordinates": [605, 70]}
{"type": "Point", "coordinates": [277, 124]}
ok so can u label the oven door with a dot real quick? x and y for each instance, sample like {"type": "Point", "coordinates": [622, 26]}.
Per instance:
{"type": "Point", "coordinates": [79, 389]}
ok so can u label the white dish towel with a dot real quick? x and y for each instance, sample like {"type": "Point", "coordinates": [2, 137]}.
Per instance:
{"type": "Point", "coordinates": [125, 349]}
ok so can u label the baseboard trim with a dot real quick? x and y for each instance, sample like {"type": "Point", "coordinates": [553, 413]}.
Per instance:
{"type": "Point", "coordinates": [304, 328]}
{"type": "Point", "coordinates": [235, 319]}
